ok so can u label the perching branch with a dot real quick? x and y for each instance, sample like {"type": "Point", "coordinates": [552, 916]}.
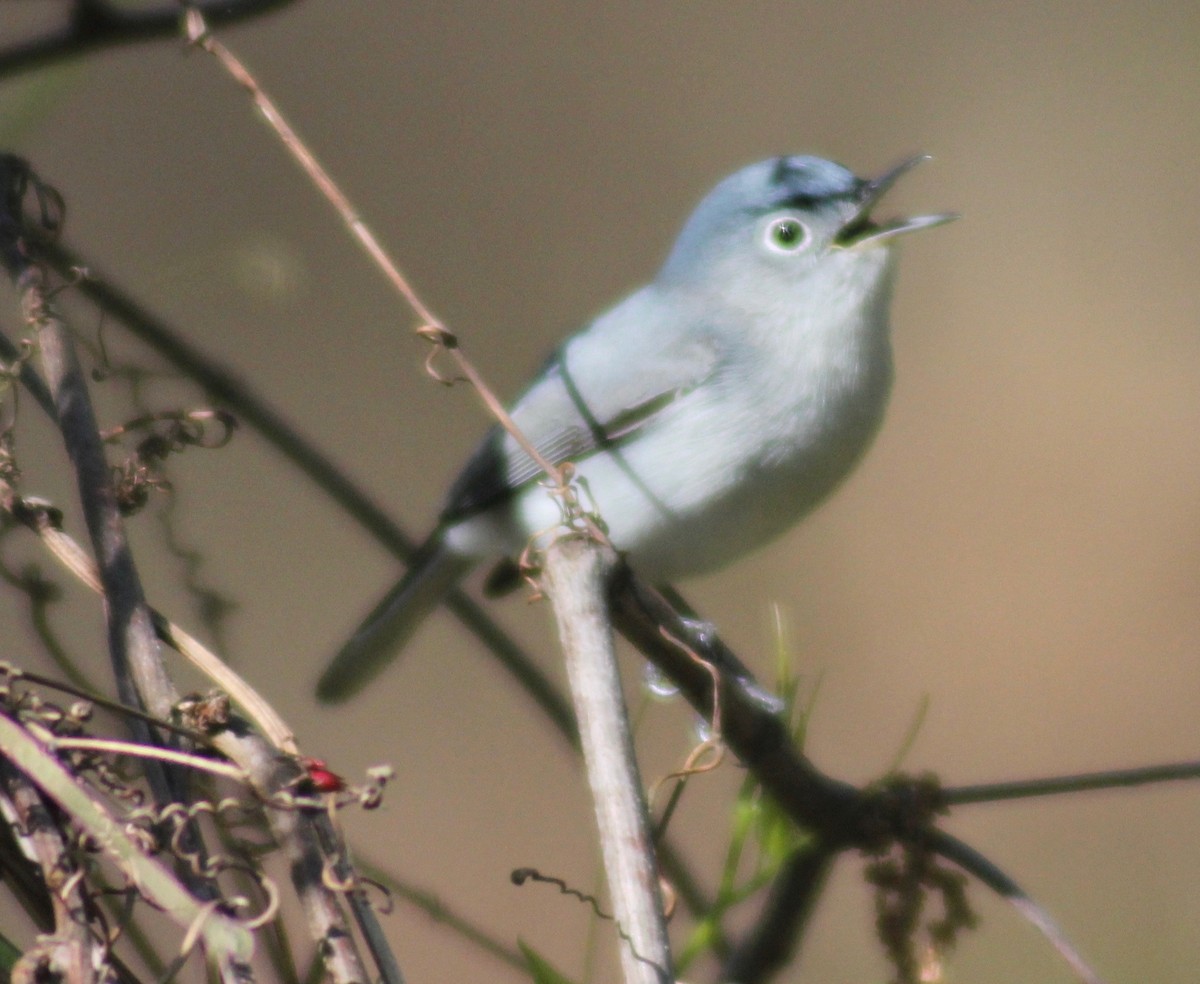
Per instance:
{"type": "Point", "coordinates": [841, 816]}
{"type": "Point", "coordinates": [751, 729]}
{"type": "Point", "coordinates": [575, 573]}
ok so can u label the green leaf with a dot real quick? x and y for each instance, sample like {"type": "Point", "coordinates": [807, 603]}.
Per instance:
{"type": "Point", "coordinates": [540, 969]}
{"type": "Point", "coordinates": [9, 955]}
{"type": "Point", "coordinates": [29, 101]}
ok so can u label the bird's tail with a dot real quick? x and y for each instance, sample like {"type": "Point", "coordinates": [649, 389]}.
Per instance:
{"type": "Point", "coordinates": [434, 571]}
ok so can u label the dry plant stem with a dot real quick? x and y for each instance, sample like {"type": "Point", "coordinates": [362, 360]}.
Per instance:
{"type": "Point", "coordinates": [75, 560]}
{"type": "Point", "coordinates": [431, 326]}
{"type": "Point", "coordinates": [135, 750]}
{"type": "Point", "coordinates": [269, 773]}
{"type": "Point", "coordinates": [272, 775]}
{"type": "Point", "coordinates": [229, 942]}
{"type": "Point", "coordinates": [138, 670]}
{"type": "Point", "coordinates": [296, 829]}
{"type": "Point", "coordinates": [19, 868]}
{"type": "Point", "coordinates": [140, 676]}
{"type": "Point", "coordinates": [9, 353]}
{"type": "Point", "coordinates": [133, 639]}
{"type": "Point", "coordinates": [575, 578]}
{"type": "Point", "coordinates": [197, 32]}
{"type": "Point", "coordinates": [346, 873]}
{"type": "Point", "coordinates": [72, 957]}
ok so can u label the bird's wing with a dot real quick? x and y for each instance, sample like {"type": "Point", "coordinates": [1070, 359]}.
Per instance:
{"type": "Point", "coordinates": [595, 393]}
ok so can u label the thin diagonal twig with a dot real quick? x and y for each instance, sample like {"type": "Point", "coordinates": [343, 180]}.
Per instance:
{"type": "Point", "coordinates": [1056, 785]}
{"type": "Point", "coordinates": [970, 860]}
{"type": "Point", "coordinates": [431, 327]}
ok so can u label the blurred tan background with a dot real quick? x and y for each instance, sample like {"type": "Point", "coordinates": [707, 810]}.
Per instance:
{"type": "Point", "coordinates": [1022, 546]}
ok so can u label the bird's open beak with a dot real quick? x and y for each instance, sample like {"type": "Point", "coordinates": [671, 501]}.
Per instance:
{"type": "Point", "coordinates": [861, 230]}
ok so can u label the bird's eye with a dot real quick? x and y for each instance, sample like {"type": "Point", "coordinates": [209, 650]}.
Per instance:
{"type": "Point", "coordinates": [786, 235]}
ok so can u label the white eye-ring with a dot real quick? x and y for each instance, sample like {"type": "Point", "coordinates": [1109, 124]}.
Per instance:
{"type": "Point", "coordinates": [786, 234]}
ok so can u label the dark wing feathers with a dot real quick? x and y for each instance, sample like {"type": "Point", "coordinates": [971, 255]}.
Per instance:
{"type": "Point", "coordinates": [565, 425]}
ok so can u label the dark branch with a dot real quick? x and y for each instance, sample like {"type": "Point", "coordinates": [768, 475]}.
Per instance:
{"type": "Point", "coordinates": [224, 387]}
{"type": "Point", "coordinates": [775, 936]}
{"type": "Point", "coordinates": [974, 863]}
{"type": "Point", "coordinates": [1111, 779]}
{"type": "Point", "coordinates": [749, 727]}
{"type": "Point", "coordinates": [141, 679]}
{"type": "Point", "coordinates": [840, 815]}
{"type": "Point", "coordinates": [29, 377]}
{"type": "Point", "coordinates": [93, 25]}
{"type": "Point", "coordinates": [30, 216]}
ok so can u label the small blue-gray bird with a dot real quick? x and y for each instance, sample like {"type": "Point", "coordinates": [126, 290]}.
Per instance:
{"type": "Point", "coordinates": [706, 413]}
